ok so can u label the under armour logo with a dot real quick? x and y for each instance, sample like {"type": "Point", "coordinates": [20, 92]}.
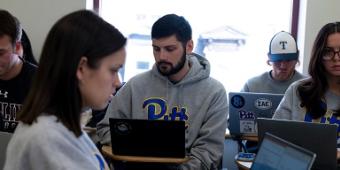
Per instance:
{"type": "Point", "coordinates": [3, 94]}
{"type": "Point", "coordinates": [283, 44]}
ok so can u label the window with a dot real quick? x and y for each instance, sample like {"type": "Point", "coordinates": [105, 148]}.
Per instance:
{"type": "Point", "coordinates": [233, 35]}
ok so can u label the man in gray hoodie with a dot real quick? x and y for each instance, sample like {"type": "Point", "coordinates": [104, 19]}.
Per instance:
{"type": "Point", "coordinates": [180, 87]}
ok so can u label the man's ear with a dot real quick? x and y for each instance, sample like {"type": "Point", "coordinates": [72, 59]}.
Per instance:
{"type": "Point", "coordinates": [19, 50]}
{"type": "Point", "coordinates": [190, 46]}
{"type": "Point", "coordinates": [82, 67]}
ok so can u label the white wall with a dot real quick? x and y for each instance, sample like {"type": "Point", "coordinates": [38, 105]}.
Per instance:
{"type": "Point", "coordinates": [313, 15]}
{"type": "Point", "coordinates": [38, 16]}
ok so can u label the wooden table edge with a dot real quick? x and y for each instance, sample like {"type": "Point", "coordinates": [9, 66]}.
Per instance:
{"type": "Point", "coordinates": [107, 151]}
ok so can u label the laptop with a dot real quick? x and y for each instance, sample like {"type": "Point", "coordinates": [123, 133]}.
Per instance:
{"type": "Point", "coordinates": [150, 138]}
{"type": "Point", "coordinates": [316, 137]}
{"type": "Point", "coordinates": [246, 107]}
{"type": "Point", "coordinates": [278, 154]}
{"type": "Point", "coordinates": [4, 140]}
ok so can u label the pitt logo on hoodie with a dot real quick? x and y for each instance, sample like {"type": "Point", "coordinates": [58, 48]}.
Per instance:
{"type": "Point", "coordinates": [157, 109]}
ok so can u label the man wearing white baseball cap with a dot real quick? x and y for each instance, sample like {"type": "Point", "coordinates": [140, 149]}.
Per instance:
{"type": "Point", "coordinates": [283, 56]}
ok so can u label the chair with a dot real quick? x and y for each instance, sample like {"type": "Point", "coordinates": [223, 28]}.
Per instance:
{"type": "Point", "coordinates": [28, 53]}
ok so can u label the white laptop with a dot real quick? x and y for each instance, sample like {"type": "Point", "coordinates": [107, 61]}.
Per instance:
{"type": "Point", "coordinates": [246, 107]}
{"type": "Point", "coordinates": [278, 154]}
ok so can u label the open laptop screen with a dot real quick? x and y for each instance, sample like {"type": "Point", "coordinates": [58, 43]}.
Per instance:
{"type": "Point", "coordinates": [276, 153]}
{"type": "Point", "coordinates": [316, 137]}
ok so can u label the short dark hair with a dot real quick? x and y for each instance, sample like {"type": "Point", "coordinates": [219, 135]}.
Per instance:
{"type": "Point", "coordinates": [10, 26]}
{"type": "Point", "coordinates": [172, 24]}
{"type": "Point", "coordinates": [55, 87]}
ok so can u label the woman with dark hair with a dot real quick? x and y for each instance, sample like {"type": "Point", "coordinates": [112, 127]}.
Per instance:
{"type": "Point", "coordinates": [78, 70]}
{"type": "Point", "coordinates": [317, 99]}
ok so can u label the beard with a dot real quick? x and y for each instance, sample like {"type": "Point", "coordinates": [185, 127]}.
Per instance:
{"type": "Point", "coordinates": [167, 69]}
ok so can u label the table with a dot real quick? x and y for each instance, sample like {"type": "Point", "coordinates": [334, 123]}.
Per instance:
{"type": "Point", "coordinates": [89, 130]}
{"type": "Point", "coordinates": [107, 151]}
{"type": "Point", "coordinates": [239, 139]}
{"type": "Point", "coordinates": [249, 138]}
{"type": "Point", "coordinates": [243, 165]}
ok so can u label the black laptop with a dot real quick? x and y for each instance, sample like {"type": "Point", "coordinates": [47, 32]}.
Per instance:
{"type": "Point", "coordinates": [316, 137]}
{"type": "Point", "coordinates": [151, 138]}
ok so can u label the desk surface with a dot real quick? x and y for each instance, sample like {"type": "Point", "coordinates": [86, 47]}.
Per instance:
{"type": "Point", "coordinates": [249, 138]}
{"type": "Point", "coordinates": [243, 165]}
{"type": "Point", "coordinates": [107, 151]}
{"type": "Point", "coordinates": [89, 130]}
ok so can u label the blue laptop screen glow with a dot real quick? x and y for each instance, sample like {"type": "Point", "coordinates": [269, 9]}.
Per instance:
{"type": "Point", "coordinates": [281, 155]}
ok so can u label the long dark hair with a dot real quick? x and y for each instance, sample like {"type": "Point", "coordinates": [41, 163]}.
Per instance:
{"type": "Point", "coordinates": [312, 90]}
{"type": "Point", "coordinates": [55, 88]}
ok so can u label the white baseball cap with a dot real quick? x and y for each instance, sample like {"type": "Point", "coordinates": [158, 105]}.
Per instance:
{"type": "Point", "coordinates": [283, 47]}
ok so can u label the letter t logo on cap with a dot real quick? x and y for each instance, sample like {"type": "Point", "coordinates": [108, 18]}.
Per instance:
{"type": "Point", "coordinates": [283, 44]}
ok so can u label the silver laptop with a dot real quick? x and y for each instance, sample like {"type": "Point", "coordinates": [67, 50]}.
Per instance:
{"type": "Point", "coordinates": [316, 137]}
{"type": "Point", "coordinates": [4, 139]}
{"type": "Point", "coordinates": [278, 154]}
{"type": "Point", "coordinates": [246, 107]}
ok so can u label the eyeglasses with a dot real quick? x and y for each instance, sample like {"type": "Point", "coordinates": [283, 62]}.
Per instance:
{"type": "Point", "coordinates": [329, 54]}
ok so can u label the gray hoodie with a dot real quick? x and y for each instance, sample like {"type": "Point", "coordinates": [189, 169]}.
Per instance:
{"type": "Point", "coordinates": [290, 108]}
{"type": "Point", "coordinates": [48, 144]}
{"type": "Point", "coordinates": [265, 83]}
{"type": "Point", "coordinates": [198, 99]}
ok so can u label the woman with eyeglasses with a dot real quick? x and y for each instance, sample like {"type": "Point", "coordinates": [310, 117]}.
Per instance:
{"type": "Point", "coordinates": [317, 98]}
